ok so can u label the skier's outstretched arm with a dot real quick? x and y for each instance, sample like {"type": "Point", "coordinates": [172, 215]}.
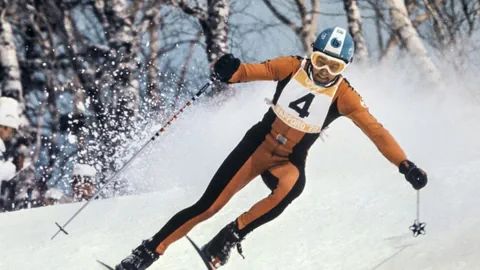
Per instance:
{"type": "Point", "coordinates": [351, 105]}
{"type": "Point", "coordinates": [229, 69]}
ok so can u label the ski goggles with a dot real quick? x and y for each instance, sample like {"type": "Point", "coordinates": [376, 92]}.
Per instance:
{"type": "Point", "coordinates": [333, 65]}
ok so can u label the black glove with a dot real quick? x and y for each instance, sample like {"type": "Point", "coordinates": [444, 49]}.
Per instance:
{"type": "Point", "coordinates": [414, 175]}
{"type": "Point", "coordinates": [225, 67]}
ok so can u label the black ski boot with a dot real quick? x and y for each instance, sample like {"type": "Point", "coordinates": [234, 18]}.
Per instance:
{"type": "Point", "coordinates": [140, 259]}
{"type": "Point", "coordinates": [217, 251]}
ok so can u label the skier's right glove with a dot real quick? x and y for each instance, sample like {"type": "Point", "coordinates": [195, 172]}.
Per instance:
{"type": "Point", "coordinates": [414, 175]}
{"type": "Point", "coordinates": [225, 67]}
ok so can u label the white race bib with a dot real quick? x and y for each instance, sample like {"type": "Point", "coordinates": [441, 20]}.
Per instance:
{"type": "Point", "coordinates": [303, 105]}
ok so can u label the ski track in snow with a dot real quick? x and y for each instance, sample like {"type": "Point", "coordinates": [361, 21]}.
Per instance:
{"type": "Point", "coordinates": [353, 214]}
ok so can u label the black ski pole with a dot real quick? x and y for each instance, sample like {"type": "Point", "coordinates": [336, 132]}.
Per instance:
{"type": "Point", "coordinates": [174, 117]}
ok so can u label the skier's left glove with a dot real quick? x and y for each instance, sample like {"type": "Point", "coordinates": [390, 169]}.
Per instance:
{"type": "Point", "coordinates": [225, 67]}
{"type": "Point", "coordinates": [414, 175]}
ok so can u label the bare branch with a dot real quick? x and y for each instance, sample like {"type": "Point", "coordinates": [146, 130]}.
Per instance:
{"type": "Point", "coordinates": [301, 9]}
{"type": "Point", "coordinates": [196, 11]}
{"type": "Point", "coordinates": [314, 13]}
{"type": "Point", "coordinates": [281, 17]}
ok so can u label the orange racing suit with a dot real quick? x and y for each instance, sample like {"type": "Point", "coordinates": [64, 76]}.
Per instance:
{"type": "Point", "coordinates": [276, 151]}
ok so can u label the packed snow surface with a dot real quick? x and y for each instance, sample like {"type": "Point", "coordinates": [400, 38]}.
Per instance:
{"type": "Point", "coordinates": [353, 214]}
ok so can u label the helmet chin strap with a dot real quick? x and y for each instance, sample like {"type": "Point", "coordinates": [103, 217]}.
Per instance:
{"type": "Point", "coordinates": [310, 74]}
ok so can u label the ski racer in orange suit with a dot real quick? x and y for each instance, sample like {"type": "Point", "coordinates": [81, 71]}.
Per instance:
{"type": "Point", "coordinates": [311, 93]}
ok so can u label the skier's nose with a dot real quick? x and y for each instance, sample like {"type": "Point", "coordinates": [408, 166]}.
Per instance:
{"type": "Point", "coordinates": [323, 72]}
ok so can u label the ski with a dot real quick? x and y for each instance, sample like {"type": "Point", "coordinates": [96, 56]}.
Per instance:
{"type": "Point", "coordinates": [105, 265]}
{"type": "Point", "coordinates": [205, 260]}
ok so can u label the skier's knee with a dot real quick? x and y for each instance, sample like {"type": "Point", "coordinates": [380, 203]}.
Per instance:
{"type": "Point", "coordinates": [211, 211]}
{"type": "Point", "coordinates": [296, 190]}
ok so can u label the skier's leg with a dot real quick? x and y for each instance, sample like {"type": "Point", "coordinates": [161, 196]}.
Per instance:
{"type": "Point", "coordinates": [218, 193]}
{"type": "Point", "coordinates": [239, 168]}
{"type": "Point", "coordinates": [236, 171]}
{"type": "Point", "coordinates": [286, 182]}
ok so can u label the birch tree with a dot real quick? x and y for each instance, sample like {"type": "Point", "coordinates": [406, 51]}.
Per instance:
{"type": "Point", "coordinates": [403, 27]}
{"type": "Point", "coordinates": [214, 22]}
{"type": "Point", "coordinates": [10, 84]}
{"type": "Point", "coordinates": [306, 31]}
{"type": "Point", "coordinates": [355, 28]}
{"type": "Point", "coordinates": [215, 27]}
{"type": "Point", "coordinates": [10, 79]}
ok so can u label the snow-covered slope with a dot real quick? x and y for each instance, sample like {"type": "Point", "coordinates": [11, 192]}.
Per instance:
{"type": "Point", "coordinates": [354, 213]}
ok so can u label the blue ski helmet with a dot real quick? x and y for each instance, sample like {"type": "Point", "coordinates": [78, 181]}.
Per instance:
{"type": "Point", "coordinates": [335, 42]}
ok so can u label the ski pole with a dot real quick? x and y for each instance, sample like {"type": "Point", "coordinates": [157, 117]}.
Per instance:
{"type": "Point", "coordinates": [418, 227]}
{"type": "Point", "coordinates": [418, 205]}
{"type": "Point", "coordinates": [157, 134]}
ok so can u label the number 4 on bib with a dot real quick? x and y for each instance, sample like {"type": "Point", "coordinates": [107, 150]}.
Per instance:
{"type": "Point", "coordinates": [302, 111]}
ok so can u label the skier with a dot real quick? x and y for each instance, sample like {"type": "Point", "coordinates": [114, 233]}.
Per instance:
{"type": "Point", "coordinates": [9, 122]}
{"type": "Point", "coordinates": [311, 93]}
{"type": "Point", "coordinates": [83, 178]}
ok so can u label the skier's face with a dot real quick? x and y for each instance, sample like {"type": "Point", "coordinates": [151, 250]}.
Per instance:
{"type": "Point", "coordinates": [6, 133]}
{"type": "Point", "coordinates": [322, 75]}
{"type": "Point", "coordinates": [325, 67]}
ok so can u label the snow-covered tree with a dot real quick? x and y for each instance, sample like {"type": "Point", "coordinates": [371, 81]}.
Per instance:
{"type": "Point", "coordinates": [403, 27]}
{"type": "Point", "coordinates": [355, 28]}
{"type": "Point", "coordinates": [10, 84]}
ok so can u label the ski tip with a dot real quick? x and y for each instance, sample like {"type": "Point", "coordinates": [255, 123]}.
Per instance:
{"type": "Point", "coordinates": [199, 251]}
{"type": "Point", "coordinates": [105, 265]}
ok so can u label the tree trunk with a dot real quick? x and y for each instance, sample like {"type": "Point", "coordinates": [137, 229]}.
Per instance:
{"type": "Point", "coordinates": [84, 74]}
{"type": "Point", "coordinates": [402, 25]}
{"type": "Point", "coordinates": [308, 30]}
{"type": "Point", "coordinates": [10, 81]}
{"type": "Point", "coordinates": [214, 23]}
{"type": "Point", "coordinates": [121, 38]}
{"type": "Point", "coordinates": [378, 25]}
{"type": "Point", "coordinates": [10, 84]}
{"type": "Point", "coordinates": [215, 28]}
{"type": "Point", "coordinates": [355, 28]}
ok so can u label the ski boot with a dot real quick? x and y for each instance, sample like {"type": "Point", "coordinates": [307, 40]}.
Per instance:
{"type": "Point", "coordinates": [217, 251]}
{"type": "Point", "coordinates": [140, 259]}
